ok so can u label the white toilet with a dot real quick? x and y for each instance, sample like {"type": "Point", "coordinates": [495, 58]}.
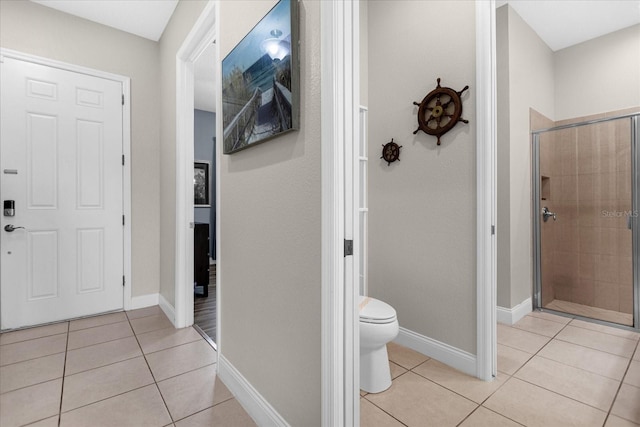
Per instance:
{"type": "Point", "coordinates": [378, 326]}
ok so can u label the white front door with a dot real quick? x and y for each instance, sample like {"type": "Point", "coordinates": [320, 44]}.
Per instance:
{"type": "Point", "coordinates": [61, 162]}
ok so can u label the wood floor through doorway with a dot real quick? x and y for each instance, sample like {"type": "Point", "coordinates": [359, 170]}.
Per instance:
{"type": "Point", "coordinates": [204, 308]}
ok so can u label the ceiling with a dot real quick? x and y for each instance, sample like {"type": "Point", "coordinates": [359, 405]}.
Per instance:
{"type": "Point", "coordinates": [144, 18]}
{"type": "Point", "coordinates": [568, 22]}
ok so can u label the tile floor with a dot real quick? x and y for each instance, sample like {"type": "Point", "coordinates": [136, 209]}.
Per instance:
{"type": "Point", "coordinates": [135, 369]}
{"type": "Point", "coordinates": [120, 369]}
{"type": "Point", "coordinates": [553, 371]}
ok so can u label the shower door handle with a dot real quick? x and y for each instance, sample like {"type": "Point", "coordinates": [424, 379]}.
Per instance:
{"type": "Point", "coordinates": [546, 213]}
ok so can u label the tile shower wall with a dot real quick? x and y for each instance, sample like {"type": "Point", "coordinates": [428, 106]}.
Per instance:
{"type": "Point", "coordinates": [586, 172]}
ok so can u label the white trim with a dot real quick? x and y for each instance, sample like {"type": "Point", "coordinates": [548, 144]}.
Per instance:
{"type": "Point", "coordinates": [126, 149]}
{"type": "Point", "coordinates": [201, 35]}
{"type": "Point", "coordinates": [486, 346]}
{"type": "Point", "coordinates": [144, 301]}
{"type": "Point", "coordinates": [340, 401]}
{"type": "Point", "coordinates": [167, 309]}
{"type": "Point", "coordinates": [510, 316]}
{"type": "Point", "coordinates": [445, 353]}
{"type": "Point", "coordinates": [256, 406]}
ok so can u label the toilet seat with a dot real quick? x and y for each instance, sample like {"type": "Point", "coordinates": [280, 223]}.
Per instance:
{"type": "Point", "coordinates": [375, 311]}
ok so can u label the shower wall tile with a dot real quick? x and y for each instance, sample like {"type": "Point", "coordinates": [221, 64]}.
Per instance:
{"type": "Point", "coordinates": [626, 298]}
{"type": "Point", "coordinates": [624, 242]}
{"type": "Point", "coordinates": [623, 185]}
{"type": "Point", "coordinates": [584, 293]}
{"type": "Point", "coordinates": [589, 242]}
{"type": "Point", "coordinates": [607, 268]}
{"type": "Point", "coordinates": [587, 162]}
{"type": "Point", "coordinates": [568, 188]}
{"type": "Point", "coordinates": [625, 270]}
{"type": "Point", "coordinates": [587, 266]}
{"type": "Point", "coordinates": [566, 142]}
{"type": "Point", "coordinates": [623, 152]}
{"type": "Point", "coordinates": [607, 296]}
{"type": "Point", "coordinates": [586, 186]}
{"type": "Point", "coordinates": [604, 186]}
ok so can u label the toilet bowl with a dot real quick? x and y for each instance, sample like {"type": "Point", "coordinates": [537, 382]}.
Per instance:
{"type": "Point", "coordinates": [378, 326]}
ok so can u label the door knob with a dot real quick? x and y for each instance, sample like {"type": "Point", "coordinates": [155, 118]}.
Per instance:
{"type": "Point", "coordinates": [546, 213]}
{"type": "Point", "coordinates": [10, 228]}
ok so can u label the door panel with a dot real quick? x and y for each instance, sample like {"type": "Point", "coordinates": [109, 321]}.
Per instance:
{"type": "Point", "coordinates": [62, 132]}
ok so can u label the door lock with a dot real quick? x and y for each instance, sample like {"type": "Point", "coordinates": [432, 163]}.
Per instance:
{"type": "Point", "coordinates": [9, 228]}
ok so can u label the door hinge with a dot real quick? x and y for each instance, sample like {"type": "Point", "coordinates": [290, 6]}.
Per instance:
{"type": "Point", "coordinates": [123, 281]}
{"type": "Point", "coordinates": [123, 99]}
{"type": "Point", "coordinates": [123, 160]}
{"type": "Point", "coordinates": [348, 247]}
{"type": "Point", "coordinates": [493, 230]}
{"type": "Point", "coordinates": [122, 219]}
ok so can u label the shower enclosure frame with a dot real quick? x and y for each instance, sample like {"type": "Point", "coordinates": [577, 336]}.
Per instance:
{"type": "Point", "coordinates": [634, 119]}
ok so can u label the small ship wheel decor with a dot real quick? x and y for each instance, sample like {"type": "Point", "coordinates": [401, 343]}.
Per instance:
{"type": "Point", "coordinates": [439, 111]}
{"type": "Point", "coordinates": [390, 152]}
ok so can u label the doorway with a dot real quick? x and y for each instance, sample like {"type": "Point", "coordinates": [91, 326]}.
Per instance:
{"type": "Point", "coordinates": [204, 139]}
{"type": "Point", "coordinates": [586, 228]}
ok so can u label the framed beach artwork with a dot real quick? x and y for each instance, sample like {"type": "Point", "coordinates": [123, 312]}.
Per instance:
{"type": "Point", "coordinates": [201, 187]}
{"type": "Point", "coordinates": [261, 81]}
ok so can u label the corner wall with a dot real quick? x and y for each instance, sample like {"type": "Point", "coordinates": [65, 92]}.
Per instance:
{"type": "Point", "coordinates": [422, 209]}
{"type": "Point", "coordinates": [270, 239]}
{"type": "Point", "coordinates": [38, 30]}
{"type": "Point", "coordinates": [527, 77]}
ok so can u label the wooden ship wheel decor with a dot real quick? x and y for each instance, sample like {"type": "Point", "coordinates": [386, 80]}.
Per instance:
{"type": "Point", "coordinates": [391, 152]}
{"type": "Point", "coordinates": [439, 111]}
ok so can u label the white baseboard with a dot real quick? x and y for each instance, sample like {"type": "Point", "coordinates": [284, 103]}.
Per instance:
{"type": "Point", "coordinates": [167, 309]}
{"type": "Point", "coordinates": [256, 406]}
{"type": "Point", "coordinates": [510, 316]}
{"type": "Point", "coordinates": [449, 355]}
{"type": "Point", "coordinates": [144, 301]}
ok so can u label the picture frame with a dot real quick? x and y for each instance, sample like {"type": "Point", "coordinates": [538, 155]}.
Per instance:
{"type": "Point", "coordinates": [201, 184]}
{"type": "Point", "coordinates": [261, 81]}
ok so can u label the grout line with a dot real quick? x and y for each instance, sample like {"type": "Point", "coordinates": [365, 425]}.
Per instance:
{"type": "Point", "coordinates": [207, 408]}
{"type": "Point", "coordinates": [615, 397]}
{"type": "Point", "coordinates": [103, 342]}
{"type": "Point", "coordinates": [383, 410]}
{"type": "Point", "coordinates": [106, 398]}
{"type": "Point", "coordinates": [64, 368]}
{"type": "Point", "coordinates": [35, 358]}
{"type": "Point", "coordinates": [151, 372]}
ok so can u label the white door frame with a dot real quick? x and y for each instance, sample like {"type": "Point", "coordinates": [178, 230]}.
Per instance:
{"type": "Point", "coordinates": [486, 189]}
{"type": "Point", "coordinates": [340, 114]}
{"type": "Point", "coordinates": [203, 34]}
{"type": "Point", "coordinates": [126, 145]}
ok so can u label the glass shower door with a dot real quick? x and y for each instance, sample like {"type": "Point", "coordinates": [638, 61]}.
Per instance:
{"type": "Point", "coordinates": [585, 212]}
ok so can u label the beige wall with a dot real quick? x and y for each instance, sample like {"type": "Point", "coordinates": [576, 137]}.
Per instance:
{"type": "Point", "coordinates": [503, 214]}
{"type": "Point", "coordinates": [529, 83]}
{"type": "Point", "coordinates": [42, 31]}
{"type": "Point", "coordinates": [181, 23]}
{"type": "Point", "coordinates": [270, 239]}
{"type": "Point", "coordinates": [598, 75]}
{"type": "Point", "coordinates": [422, 210]}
